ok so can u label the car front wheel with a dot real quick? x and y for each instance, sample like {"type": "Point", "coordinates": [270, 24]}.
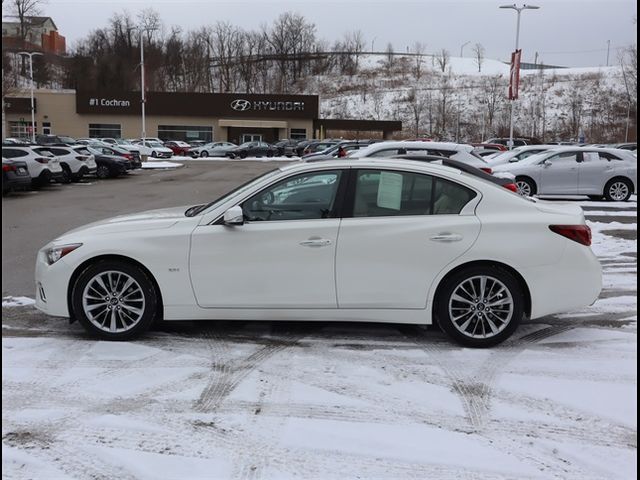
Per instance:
{"type": "Point", "coordinates": [204, 154]}
{"type": "Point", "coordinates": [114, 300]}
{"type": "Point", "coordinates": [103, 172]}
{"type": "Point", "coordinates": [480, 306]}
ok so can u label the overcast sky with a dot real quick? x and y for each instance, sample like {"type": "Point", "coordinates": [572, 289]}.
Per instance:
{"type": "Point", "coordinates": [573, 33]}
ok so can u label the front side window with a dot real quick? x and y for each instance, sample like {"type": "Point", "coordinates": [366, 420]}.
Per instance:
{"type": "Point", "coordinates": [387, 193]}
{"type": "Point", "coordinates": [303, 197]}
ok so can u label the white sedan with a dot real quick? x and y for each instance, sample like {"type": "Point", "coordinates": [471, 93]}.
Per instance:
{"type": "Point", "coordinates": [349, 240]}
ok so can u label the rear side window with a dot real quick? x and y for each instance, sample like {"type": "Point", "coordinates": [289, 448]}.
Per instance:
{"type": "Point", "coordinates": [608, 156]}
{"type": "Point", "coordinates": [381, 193]}
{"type": "Point", "coordinates": [13, 153]}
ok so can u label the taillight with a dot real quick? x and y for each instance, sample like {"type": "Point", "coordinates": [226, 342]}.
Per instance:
{"type": "Point", "coordinates": [42, 160]}
{"type": "Point", "coordinates": [82, 158]}
{"type": "Point", "coordinates": [8, 168]}
{"type": "Point", "coordinates": [511, 186]}
{"type": "Point", "coordinates": [486, 169]}
{"type": "Point", "coordinates": [128, 156]}
{"type": "Point", "coordinates": [577, 233]}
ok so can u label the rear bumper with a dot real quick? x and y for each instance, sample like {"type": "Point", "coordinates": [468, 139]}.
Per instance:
{"type": "Point", "coordinates": [575, 282]}
{"type": "Point", "coordinates": [15, 182]}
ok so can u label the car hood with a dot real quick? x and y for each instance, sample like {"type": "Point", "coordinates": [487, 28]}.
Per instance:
{"type": "Point", "coordinates": [148, 220]}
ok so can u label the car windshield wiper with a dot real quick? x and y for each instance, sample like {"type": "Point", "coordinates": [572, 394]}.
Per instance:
{"type": "Point", "coordinates": [191, 211]}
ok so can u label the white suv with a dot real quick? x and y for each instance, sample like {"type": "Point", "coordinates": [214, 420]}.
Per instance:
{"type": "Point", "coordinates": [74, 165]}
{"type": "Point", "coordinates": [43, 166]}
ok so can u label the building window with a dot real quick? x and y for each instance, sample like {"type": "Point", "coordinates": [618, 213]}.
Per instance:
{"type": "Point", "coordinates": [100, 130]}
{"type": "Point", "coordinates": [21, 129]}
{"type": "Point", "coordinates": [46, 128]}
{"type": "Point", "coordinates": [185, 133]}
{"type": "Point", "coordinates": [298, 133]}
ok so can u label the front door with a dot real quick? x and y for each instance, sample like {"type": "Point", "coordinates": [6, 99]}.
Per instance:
{"type": "Point", "coordinates": [404, 229]}
{"type": "Point", "coordinates": [281, 257]}
{"type": "Point", "coordinates": [560, 174]}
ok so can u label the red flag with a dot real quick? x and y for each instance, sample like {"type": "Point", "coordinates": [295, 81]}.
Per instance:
{"type": "Point", "coordinates": [514, 77]}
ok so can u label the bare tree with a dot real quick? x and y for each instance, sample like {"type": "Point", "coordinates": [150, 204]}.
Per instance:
{"type": "Point", "coordinates": [442, 59]}
{"type": "Point", "coordinates": [23, 9]}
{"type": "Point", "coordinates": [390, 56]}
{"type": "Point", "coordinates": [419, 48]}
{"type": "Point", "coordinates": [478, 53]}
{"type": "Point", "coordinates": [417, 104]}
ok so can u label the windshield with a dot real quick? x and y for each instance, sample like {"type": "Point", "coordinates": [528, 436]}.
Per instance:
{"type": "Point", "coordinates": [533, 159]}
{"type": "Point", "coordinates": [120, 141]}
{"type": "Point", "coordinates": [195, 210]}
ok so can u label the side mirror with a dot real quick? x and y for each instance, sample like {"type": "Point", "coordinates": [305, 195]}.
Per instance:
{"type": "Point", "coordinates": [234, 216]}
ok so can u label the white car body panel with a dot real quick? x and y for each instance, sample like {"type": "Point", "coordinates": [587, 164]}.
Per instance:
{"type": "Point", "coordinates": [259, 271]}
{"type": "Point", "coordinates": [517, 154]}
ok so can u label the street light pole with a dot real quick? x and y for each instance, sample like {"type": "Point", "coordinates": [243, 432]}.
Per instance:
{"type": "Point", "coordinates": [519, 11]}
{"type": "Point", "coordinates": [462, 47]}
{"type": "Point", "coordinates": [142, 89]}
{"type": "Point", "coordinates": [33, 110]}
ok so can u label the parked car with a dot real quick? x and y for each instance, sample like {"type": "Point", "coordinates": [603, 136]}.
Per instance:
{"type": "Point", "coordinates": [518, 153]}
{"type": "Point", "coordinates": [43, 167]}
{"type": "Point", "coordinates": [109, 166]}
{"type": "Point", "coordinates": [456, 151]}
{"type": "Point", "coordinates": [16, 141]}
{"type": "Point", "coordinates": [212, 149]}
{"type": "Point", "coordinates": [197, 143]}
{"type": "Point", "coordinates": [333, 150]}
{"type": "Point", "coordinates": [178, 147]}
{"type": "Point", "coordinates": [505, 182]}
{"type": "Point", "coordinates": [15, 176]}
{"type": "Point", "coordinates": [122, 143]}
{"type": "Point", "coordinates": [626, 146]}
{"type": "Point", "coordinates": [45, 139]}
{"type": "Point", "coordinates": [287, 148]}
{"type": "Point", "coordinates": [595, 172]}
{"type": "Point", "coordinates": [318, 146]}
{"type": "Point", "coordinates": [517, 142]}
{"type": "Point", "coordinates": [447, 255]}
{"type": "Point", "coordinates": [154, 149]}
{"type": "Point", "coordinates": [131, 157]}
{"type": "Point", "coordinates": [252, 149]}
{"type": "Point", "coordinates": [74, 166]}
{"type": "Point", "coordinates": [490, 146]}
{"type": "Point", "coordinates": [302, 144]}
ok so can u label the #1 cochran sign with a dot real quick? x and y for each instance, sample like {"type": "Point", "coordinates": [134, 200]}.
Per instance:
{"type": "Point", "coordinates": [514, 77]}
{"type": "Point", "coordinates": [108, 102]}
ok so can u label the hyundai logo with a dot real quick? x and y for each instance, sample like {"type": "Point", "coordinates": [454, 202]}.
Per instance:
{"type": "Point", "coordinates": [241, 105]}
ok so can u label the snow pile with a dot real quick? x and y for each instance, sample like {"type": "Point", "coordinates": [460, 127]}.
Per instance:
{"type": "Point", "coordinates": [17, 301]}
{"type": "Point", "coordinates": [160, 164]}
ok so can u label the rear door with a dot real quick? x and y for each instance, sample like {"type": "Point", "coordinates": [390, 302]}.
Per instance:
{"type": "Point", "coordinates": [595, 169]}
{"type": "Point", "coordinates": [560, 174]}
{"type": "Point", "coordinates": [399, 231]}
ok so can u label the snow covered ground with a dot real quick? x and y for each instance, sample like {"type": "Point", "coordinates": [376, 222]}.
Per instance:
{"type": "Point", "coordinates": [250, 400]}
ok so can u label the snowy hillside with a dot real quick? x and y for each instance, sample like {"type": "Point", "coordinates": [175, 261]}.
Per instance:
{"type": "Point", "coordinates": [466, 104]}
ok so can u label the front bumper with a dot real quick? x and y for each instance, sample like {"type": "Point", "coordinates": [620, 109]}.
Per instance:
{"type": "Point", "coordinates": [51, 286]}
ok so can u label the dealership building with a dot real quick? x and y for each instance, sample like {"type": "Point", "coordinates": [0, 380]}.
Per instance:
{"type": "Point", "coordinates": [180, 116]}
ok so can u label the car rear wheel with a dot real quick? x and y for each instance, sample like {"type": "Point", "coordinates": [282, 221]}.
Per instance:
{"type": "Point", "coordinates": [114, 300]}
{"type": "Point", "coordinates": [526, 187]}
{"type": "Point", "coordinates": [480, 306]}
{"type": "Point", "coordinates": [243, 154]}
{"type": "Point", "coordinates": [154, 154]}
{"type": "Point", "coordinates": [618, 190]}
{"type": "Point", "coordinates": [204, 154]}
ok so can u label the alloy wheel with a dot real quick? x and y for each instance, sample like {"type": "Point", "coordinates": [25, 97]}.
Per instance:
{"type": "Point", "coordinates": [523, 188]}
{"type": "Point", "coordinates": [618, 191]}
{"type": "Point", "coordinates": [113, 301]}
{"type": "Point", "coordinates": [481, 307]}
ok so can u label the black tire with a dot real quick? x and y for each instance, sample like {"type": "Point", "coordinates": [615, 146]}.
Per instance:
{"type": "Point", "coordinates": [614, 190]}
{"type": "Point", "coordinates": [67, 176]}
{"type": "Point", "coordinates": [154, 154]}
{"type": "Point", "coordinates": [204, 153]}
{"type": "Point", "coordinates": [526, 186]}
{"type": "Point", "coordinates": [147, 289]}
{"type": "Point", "coordinates": [103, 172]}
{"type": "Point", "coordinates": [444, 301]}
{"type": "Point", "coordinates": [243, 154]}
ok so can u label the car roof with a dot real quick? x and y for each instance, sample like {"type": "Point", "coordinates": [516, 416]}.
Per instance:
{"type": "Point", "coordinates": [427, 167]}
{"type": "Point", "coordinates": [420, 145]}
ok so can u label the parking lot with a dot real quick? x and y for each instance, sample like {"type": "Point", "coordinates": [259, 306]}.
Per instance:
{"type": "Point", "coordinates": [251, 400]}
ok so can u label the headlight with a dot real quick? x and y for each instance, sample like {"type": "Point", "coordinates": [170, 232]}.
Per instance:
{"type": "Point", "coordinates": [54, 254]}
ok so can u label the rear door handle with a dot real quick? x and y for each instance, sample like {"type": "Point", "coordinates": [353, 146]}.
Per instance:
{"type": "Point", "coordinates": [446, 237]}
{"type": "Point", "coordinates": [316, 242]}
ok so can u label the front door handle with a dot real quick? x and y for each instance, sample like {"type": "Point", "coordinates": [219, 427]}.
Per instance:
{"type": "Point", "coordinates": [446, 237]}
{"type": "Point", "coordinates": [316, 242]}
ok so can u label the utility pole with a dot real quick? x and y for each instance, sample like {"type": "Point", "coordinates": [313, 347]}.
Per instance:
{"type": "Point", "coordinates": [462, 47]}
{"type": "Point", "coordinates": [33, 109]}
{"type": "Point", "coordinates": [608, 48]}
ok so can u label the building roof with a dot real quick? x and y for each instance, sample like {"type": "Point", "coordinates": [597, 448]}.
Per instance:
{"type": "Point", "coordinates": [32, 20]}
